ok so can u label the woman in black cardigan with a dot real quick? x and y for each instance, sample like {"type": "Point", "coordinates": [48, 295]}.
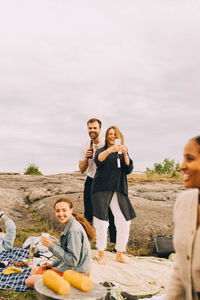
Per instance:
{"type": "Point", "coordinates": [110, 189]}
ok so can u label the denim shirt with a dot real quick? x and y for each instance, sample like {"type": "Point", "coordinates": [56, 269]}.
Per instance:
{"type": "Point", "coordinates": [6, 243]}
{"type": "Point", "coordinates": [74, 250]}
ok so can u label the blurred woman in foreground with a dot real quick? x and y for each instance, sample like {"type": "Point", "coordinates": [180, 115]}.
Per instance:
{"type": "Point", "coordinates": [185, 279]}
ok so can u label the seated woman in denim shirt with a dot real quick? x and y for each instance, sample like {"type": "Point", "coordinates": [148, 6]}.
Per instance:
{"type": "Point", "coordinates": [74, 249]}
{"type": "Point", "coordinates": [7, 238]}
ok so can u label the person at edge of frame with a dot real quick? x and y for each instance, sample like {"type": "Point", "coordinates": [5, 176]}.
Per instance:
{"type": "Point", "coordinates": [87, 164]}
{"type": "Point", "coordinates": [7, 238]}
{"type": "Point", "coordinates": [184, 283]}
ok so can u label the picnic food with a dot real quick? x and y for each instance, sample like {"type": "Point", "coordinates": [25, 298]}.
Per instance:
{"type": "Point", "coordinates": [78, 280]}
{"type": "Point", "coordinates": [55, 282]}
{"type": "Point", "coordinates": [20, 264]}
{"type": "Point", "coordinates": [11, 270]}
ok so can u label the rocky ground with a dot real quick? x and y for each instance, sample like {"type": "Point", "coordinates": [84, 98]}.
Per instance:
{"type": "Point", "coordinates": [153, 203]}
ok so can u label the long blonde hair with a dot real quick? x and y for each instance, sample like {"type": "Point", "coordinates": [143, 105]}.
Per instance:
{"type": "Point", "coordinates": [117, 132]}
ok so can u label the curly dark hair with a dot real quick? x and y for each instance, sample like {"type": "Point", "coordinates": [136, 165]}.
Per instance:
{"type": "Point", "coordinates": [197, 140]}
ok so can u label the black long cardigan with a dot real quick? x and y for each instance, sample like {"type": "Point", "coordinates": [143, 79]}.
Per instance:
{"type": "Point", "coordinates": [107, 180]}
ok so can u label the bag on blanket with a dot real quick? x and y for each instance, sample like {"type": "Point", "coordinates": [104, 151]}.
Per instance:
{"type": "Point", "coordinates": [36, 241]}
{"type": "Point", "coordinates": [164, 245]}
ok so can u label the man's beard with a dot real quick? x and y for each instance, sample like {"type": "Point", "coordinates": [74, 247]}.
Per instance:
{"type": "Point", "coordinates": [93, 135]}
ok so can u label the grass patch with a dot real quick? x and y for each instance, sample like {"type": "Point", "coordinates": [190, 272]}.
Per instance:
{"type": "Point", "coordinates": [34, 230]}
{"type": "Point", "coordinates": [140, 252]}
{"type": "Point", "coordinates": [146, 296]}
{"type": "Point", "coordinates": [143, 177]}
{"type": "Point", "coordinates": [28, 295]}
{"type": "Point", "coordinates": [32, 169]}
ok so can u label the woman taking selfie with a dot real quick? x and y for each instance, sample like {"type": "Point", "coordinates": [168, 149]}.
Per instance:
{"type": "Point", "coordinates": [74, 249]}
{"type": "Point", "coordinates": [185, 279]}
{"type": "Point", "coordinates": [110, 189]}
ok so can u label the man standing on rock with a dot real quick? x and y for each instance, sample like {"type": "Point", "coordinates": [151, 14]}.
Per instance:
{"type": "Point", "coordinates": [86, 162]}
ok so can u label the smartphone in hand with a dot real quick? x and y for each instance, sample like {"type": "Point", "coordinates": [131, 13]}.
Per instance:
{"type": "Point", "coordinates": [117, 142]}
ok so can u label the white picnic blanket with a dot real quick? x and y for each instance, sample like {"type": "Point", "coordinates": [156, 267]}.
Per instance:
{"type": "Point", "coordinates": [143, 276]}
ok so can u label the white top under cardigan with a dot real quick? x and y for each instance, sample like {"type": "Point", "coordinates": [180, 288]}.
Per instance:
{"type": "Point", "coordinates": [196, 262]}
{"type": "Point", "coordinates": [91, 169]}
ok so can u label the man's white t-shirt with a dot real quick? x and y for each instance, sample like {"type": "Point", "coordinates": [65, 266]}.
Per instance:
{"type": "Point", "coordinates": [91, 164]}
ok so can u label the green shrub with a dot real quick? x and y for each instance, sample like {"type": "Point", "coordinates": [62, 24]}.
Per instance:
{"type": "Point", "coordinates": [166, 167]}
{"type": "Point", "coordinates": [32, 169]}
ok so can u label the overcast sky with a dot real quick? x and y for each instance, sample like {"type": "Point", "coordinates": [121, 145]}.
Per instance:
{"type": "Point", "coordinates": [131, 63]}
